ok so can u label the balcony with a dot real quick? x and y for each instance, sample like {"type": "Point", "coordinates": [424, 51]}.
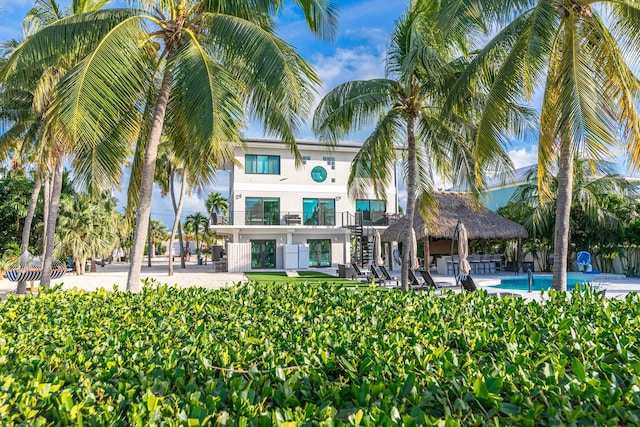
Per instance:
{"type": "Point", "coordinates": [299, 218]}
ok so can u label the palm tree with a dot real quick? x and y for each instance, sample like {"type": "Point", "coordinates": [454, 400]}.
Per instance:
{"type": "Point", "coordinates": [88, 227]}
{"type": "Point", "coordinates": [214, 59]}
{"type": "Point", "coordinates": [591, 94]}
{"type": "Point", "coordinates": [97, 165]}
{"type": "Point", "coordinates": [408, 107]}
{"type": "Point", "coordinates": [197, 224]}
{"type": "Point", "coordinates": [196, 172]}
{"type": "Point", "coordinates": [215, 203]}
{"type": "Point", "coordinates": [591, 181]}
{"type": "Point", "coordinates": [159, 233]}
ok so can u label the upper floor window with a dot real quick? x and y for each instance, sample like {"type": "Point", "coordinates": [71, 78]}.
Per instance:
{"type": "Point", "coordinates": [319, 211]}
{"type": "Point", "coordinates": [262, 164]}
{"type": "Point", "coordinates": [262, 211]}
{"type": "Point", "coordinates": [373, 211]}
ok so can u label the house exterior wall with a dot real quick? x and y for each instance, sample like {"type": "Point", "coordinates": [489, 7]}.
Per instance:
{"type": "Point", "coordinates": [291, 186]}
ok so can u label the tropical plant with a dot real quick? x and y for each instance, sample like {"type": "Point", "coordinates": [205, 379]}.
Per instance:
{"type": "Point", "coordinates": [31, 67]}
{"type": "Point", "coordinates": [217, 204]}
{"type": "Point", "coordinates": [15, 192]}
{"type": "Point", "coordinates": [317, 354]}
{"type": "Point", "coordinates": [408, 108]}
{"type": "Point", "coordinates": [579, 57]}
{"type": "Point", "coordinates": [197, 224]}
{"type": "Point", "coordinates": [595, 222]}
{"type": "Point", "coordinates": [87, 228]}
{"type": "Point", "coordinates": [204, 62]}
{"type": "Point", "coordinates": [195, 172]}
{"type": "Point", "coordinates": [159, 234]}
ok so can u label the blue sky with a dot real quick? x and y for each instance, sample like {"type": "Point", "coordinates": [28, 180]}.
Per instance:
{"type": "Point", "coordinates": [357, 53]}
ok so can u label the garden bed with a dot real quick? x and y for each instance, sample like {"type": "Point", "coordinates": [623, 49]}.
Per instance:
{"type": "Point", "coordinates": [261, 354]}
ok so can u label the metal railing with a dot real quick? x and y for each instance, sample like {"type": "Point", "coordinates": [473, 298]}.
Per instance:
{"type": "Point", "coordinates": [299, 218]}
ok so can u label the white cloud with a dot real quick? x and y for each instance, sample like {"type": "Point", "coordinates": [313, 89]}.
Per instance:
{"type": "Point", "coordinates": [525, 156]}
{"type": "Point", "coordinates": [359, 63]}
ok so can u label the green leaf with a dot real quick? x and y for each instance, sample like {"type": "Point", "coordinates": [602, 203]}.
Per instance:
{"type": "Point", "coordinates": [480, 388]}
{"type": "Point", "coordinates": [578, 369]}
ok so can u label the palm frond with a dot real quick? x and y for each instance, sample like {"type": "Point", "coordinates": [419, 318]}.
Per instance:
{"type": "Point", "coordinates": [206, 106]}
{"type": "Point", "coordinates": [374, 163]}
{"type": "Point", "coordinates": [280, 84]}
{"type": "Point", "coordinates": [352, 106]}
{"type": "Point", "coordinates": [65, 40]}
{"type": "Point", "coordinates": [104, 90]}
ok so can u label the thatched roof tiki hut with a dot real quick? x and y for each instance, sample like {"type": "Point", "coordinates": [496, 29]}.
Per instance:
{"type": "Point", "coordinates": [438, 232]}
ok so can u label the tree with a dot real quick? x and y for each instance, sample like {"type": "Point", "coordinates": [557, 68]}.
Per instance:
{"type": "Point", "coordinates": [88, 227]}
{"type": "Point", "coordinates": [213, 60]}
{"type": "Point", "coordinates": [159, 234]}
{"type": "Point", "coordinates": [597, 192]}
{"type": "Point", "coordinates": [195, 171]}
{"type": "Point", "coordinates": [15, 192]}
{"type": "Point", "coordinates": [409, 109]}
{"type": "Point", "coordinates": [217, 204]}
{"type": "Point", "coordinates": [33, 67]}
{"type": "Point", "coordinates": [591, 94]}
{"type": "Point", "coordinates": [197, 224]}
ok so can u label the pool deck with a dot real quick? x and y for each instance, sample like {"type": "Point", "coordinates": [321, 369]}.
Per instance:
{"type": "Point", "coordinates": [616, 286]}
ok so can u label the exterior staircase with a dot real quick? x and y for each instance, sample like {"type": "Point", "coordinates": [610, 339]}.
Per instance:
{"type": "Point", "coordinates": [362, 250]}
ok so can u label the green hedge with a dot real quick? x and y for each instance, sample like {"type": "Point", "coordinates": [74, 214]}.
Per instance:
{"type": "Point", "coordinates": [317, 355]}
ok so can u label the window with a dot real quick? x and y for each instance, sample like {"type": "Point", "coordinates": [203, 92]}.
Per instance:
{"type": "Point", "coordinates": [262, 211]}
{"type": "Point", "coordinates": [319, 252]}
{"type": "Point", "coordinates": [305, 159]}
{"type": "Point", "coordinates": [373, 211]}
{"type": "Point", "coordinates": [263, 254]}
{"type": "Point", "coordinates": [331, 161]}
{"type": "Point", "coordinates": [319, 211]}
{"type": "Point", "coordinates": [262, 164]}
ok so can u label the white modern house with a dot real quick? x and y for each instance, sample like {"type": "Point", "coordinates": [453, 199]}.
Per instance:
{"type": "Point", "coordinates": [286, 217]}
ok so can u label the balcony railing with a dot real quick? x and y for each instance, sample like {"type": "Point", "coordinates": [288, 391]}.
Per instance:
{"type": "Point", "coordinates": [299, 218]}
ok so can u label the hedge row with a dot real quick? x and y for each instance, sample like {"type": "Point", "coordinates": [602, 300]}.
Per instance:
{"type": "Point", "coordinates": [261, 354]}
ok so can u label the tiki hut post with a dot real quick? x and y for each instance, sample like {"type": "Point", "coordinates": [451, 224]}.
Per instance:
{"type": "Point", "coordinates": [427, 253]}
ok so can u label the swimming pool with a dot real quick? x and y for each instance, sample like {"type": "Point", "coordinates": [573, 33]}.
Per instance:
{"type": "Point", "coordinates": [540, 281]}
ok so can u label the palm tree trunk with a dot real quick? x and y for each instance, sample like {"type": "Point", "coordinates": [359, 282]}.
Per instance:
{"type": "Point", "coordinates": [146, 185]}
{"type": "Point", "coordinates": [47, 262]}
{"type": "Point", "coordinates": [411, 202]}
{"type": "Point", "coordinates": [563, 215]}
{"type": "Point", "coordinates": [26, 230]}
{"type": "Point", "coordinates": [93, 263]}
{"type": "Point", "coordinates": [149, 243]}
{"type": "Point", "coordinates": [176, 221]}
{"type": "Point", "coordinates": [183, 255]}
{"type": "Point", "coordinates": [46, 204]}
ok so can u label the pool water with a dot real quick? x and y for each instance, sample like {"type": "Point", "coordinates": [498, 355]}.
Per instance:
{"type": "Point", "coordinates": [519, 283]}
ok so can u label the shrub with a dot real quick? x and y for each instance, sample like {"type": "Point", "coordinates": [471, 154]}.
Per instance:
{"type": "Point", "coordinates": [261, 355]}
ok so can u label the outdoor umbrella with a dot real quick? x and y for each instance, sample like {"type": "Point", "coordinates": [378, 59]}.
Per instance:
{"type": "Point", "coordinates": [377, 249]}
{"type": "Point", "coordinates": [413, 262]}
{"type": "Point", "coordinates": [463, 250]}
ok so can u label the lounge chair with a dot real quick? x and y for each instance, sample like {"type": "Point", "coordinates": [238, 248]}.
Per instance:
{"type": "Point", "coordinates": [467, 283]}
{"type": "Point", "coordinates": [416, 281]}
{"type": "Point", "coordinates": [428, 278]}
{"type": "Point", "coordinates": [361, 274]}
{"type": "Point", "coordinates": [378, 275]}
{"type": "Point", "coordinates": [388, 276]}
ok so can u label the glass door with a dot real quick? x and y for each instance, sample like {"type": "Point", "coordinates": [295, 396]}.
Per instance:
{"type": "Point", "coordinates": [319, 252]}
{"type": "Point", "coordinates": [263, 254]}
